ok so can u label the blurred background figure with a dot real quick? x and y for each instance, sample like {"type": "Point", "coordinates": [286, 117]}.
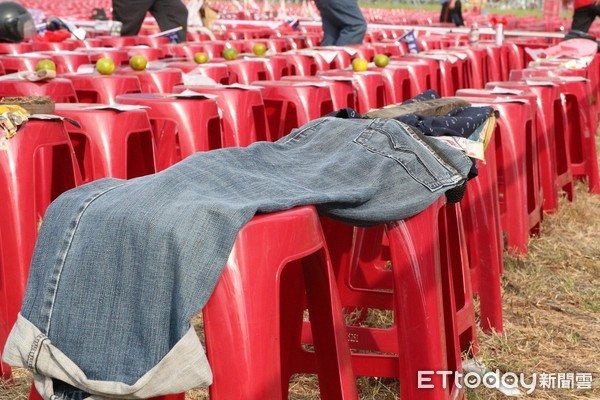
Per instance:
{"type": "Point", "coordinates": [586, 11]}
{"type": "Point", "coordinates": [343, 22]}
{"type": "Point", "coordinates": [452, 12]}
{"type": "Point", "coordinates": [169, 14]}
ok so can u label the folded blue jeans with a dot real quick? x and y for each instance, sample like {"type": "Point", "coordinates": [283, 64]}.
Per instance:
{"type": "Point", "coordinates": [120, 267]}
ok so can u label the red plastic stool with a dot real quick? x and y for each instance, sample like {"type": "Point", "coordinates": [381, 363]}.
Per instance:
{"type": "Point", "coordinates": [253, 319]}
{"type": "Point", "coordinates": [418, 71]}
{"type": "Point", "coordinates": [497, 65]}
{"type": "Point", "coordinates": [58, 89]}
{"type": "Point", "coordinates": [554, 148]}
{"type": "Point", "coordinates": [397, 82]}
{"type": "Point", "coordinates": [96, 88]}
{"type": "Point", "coordinates": [246, 71]}
{"type": "Point", "coordinates": [342, 92]}
{"type": "Point", "coordinates": [388, 48]}
{"type": "Point", "coordinates": [290, 104]}
{"type": "Point", "coordinates": [187, 50]}
{"type": "Point", "coordinates": [119, 56]}
{"type": "Point", "coordinates": [243, 117]}
{"type": "Point", "coordinates": [274, 45]}
{"type": "Point", "coordinates": [476, 70]}
{"type": "Point", "coordinates": [276, 67]}
{"type": "Point", "coordinates": [581, 129]}
{"type": "Point", "coordinates": [152, 41]}
{"type": "Point", "coordinates": [301, 64]}
{"type": "Point", "coordinates": [20, 62]}
{"type": "Point", "coordinates": [369, 86]}
{"type": "Point", "coordinates": [517, 169]}
{"type": "Point", "coordinates": [450, 74]}
{"type": "Point", "coordinates": [68, 61]}
{"type": "Point", "coordinates": [110, 143]}
{"type": "Point", "coordinates": [36, 165]}
{"type": "Point", "coordinates": [155, 80]}
{"type": "Point", "coordinates": [181, 126]}
{"type": "Point", "coordinates": [434, 318]}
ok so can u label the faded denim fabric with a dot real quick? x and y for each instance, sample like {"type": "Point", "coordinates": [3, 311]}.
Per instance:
{"type": "Point", "coordinates": [120, 267]}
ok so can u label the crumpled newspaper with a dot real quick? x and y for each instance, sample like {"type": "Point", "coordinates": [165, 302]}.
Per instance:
{"type": "Point", "coordinates": [11, 118]}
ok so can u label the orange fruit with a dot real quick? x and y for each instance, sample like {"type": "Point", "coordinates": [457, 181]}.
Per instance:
{"type": "Point", "coordinates": [230, 53]}
{"type": "Point", "coordinates": [45, 64]}
{"type": "Point", "coordinates": [201, 58]}
{"type": "Point", "coordinates": [360, 64]}
{"type": "Point", "coordinates": [138, 62]}
{"type": "Point", "coordinates": [105, 66]}
{"type": "Point", "coordinates": [259, 49]}
{"type": "Point", "coordinates": [381, 60]}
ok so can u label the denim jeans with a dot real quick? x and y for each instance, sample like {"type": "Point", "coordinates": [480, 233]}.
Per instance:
{"type": "Point", "coordinates": [120, 267]}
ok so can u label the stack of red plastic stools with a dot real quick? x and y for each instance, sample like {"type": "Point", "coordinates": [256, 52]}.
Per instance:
{"type": "Point", "coordinates": [96, 88]}
{"type": "Point", "coordinates": [159, 80]}
{"type": "Point", "coordinates": [342, 92]}
{"type": "Point", "coordinates": [181, 126]}
{"type": "Point", "coordinates": [246, 71]}
{"type": "Point", "coordinates": [60, 90]}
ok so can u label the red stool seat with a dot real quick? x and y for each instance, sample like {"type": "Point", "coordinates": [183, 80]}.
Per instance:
{"type": "Point", "coordinates": [59, 89]}
{"type": "Point", "coordinates": [110, 143]}
{"type": "Point", "coordinates": [243, 116]}
{"type": "Point", "coordinates": [152, 41]}
{"type": "Point", "coordinates": [301, 64]}
{"type": "Point", "coordinates": [119, 56]}
{"type": "Point", "coordinates": [181, 126]}
{"type": "Point", "coordinates": [36, 165]}
{"type": "Point", "coordinates": [369, 85]}
{"type": "Point", "coordinates": [96, 88]}
{"type": "Point", "coordinates": [290, 104]}
{"type": "Point", "coordinates": [117, 41]}
{"type": "Point", "coordinates": [53, 46]}
{"type": "Point", "coordinates": [150, 53]}
{"type": "Point", "coordinates": [253, 321]}
{"type": "Point", "coordinates": [155, 80]}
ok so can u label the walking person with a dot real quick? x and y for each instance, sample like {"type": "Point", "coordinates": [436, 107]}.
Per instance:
{"type": "Point", "coordinates": [343, 22]}
{"type": "Point", "coordinates": [586, 11]}
{"type": "Point", "coordinates": [169, 14]}
{"type": "Point", "coordinates": [452, 12]}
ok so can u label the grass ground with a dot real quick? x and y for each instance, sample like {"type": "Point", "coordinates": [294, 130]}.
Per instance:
{"type": "Point", "coordinates": [551, 302]}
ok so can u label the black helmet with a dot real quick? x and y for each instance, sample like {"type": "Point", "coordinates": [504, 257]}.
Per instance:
{"type": "Point", "coordinates": [16, 23]}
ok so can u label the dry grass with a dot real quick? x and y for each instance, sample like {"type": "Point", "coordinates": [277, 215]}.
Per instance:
{"type": "Point", "coordinates": [551, 307]}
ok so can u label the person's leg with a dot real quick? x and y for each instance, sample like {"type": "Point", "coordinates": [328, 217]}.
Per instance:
{"type": "Point", "coordinates": [457, 17]}
{"type": "Point", "coordinates": [445, 12]}
{"type": "Point", "coordinates": [347, 17]}
{"type": "Point", "coordinates": [583, 17]}
{"type": "Point", "coordinates": [331, 32]}
{"type": "Point", "coordinates": [131, 14]}
{"type": "Point", "coordinates": [171, 14]}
